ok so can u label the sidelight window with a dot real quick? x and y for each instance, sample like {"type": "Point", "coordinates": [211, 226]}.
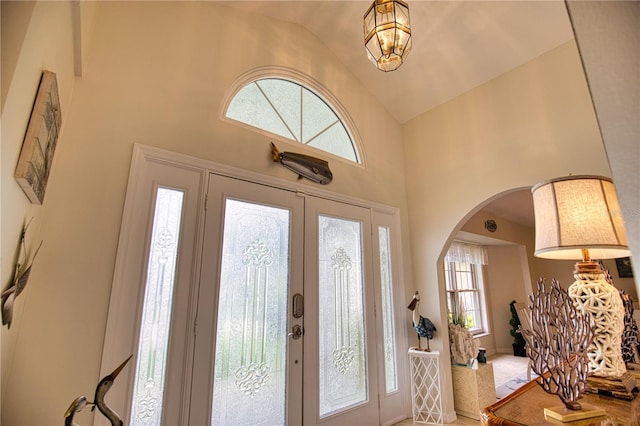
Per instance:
{"type": "Point", "coordinates": [388, 327]}
{"type": "Point", "coordinates": [149, 381]}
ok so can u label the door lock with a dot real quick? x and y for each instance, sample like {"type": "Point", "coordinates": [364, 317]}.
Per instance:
{"type": "Point", "coordinates": [297, 305]}
{"type": "Point", "coordinates": [296, 332]}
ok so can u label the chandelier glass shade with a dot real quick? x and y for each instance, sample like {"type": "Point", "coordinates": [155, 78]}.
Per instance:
{"type": "Point", "coordinates": [387, 33]}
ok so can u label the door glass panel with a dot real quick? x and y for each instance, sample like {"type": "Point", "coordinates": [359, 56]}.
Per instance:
{"type": "Point", "coordinates": [251, 344]}
{"type": "Point", "coordinates": [342, 357]}
{"type": "Point", "coordinates": [387, 311]}
{"type": "Point", "coordinates": [149, 379]}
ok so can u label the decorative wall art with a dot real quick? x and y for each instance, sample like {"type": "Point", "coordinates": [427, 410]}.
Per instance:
{"type": "Point", "coordinates": [491, 225]}
{"type": "Point", "coordinates": [624, 267]}
{"type": "Point", "coordinates": [312, 168]}
{"type": "Point", "coordinates": [38, 147]}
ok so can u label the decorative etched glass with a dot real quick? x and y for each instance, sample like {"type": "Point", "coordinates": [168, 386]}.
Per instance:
{"type": "Point", "coordinates": [149, 379]}
{"type": "Point", "coordinates": [294, 112]}
{"type": "Point", "coordinates": [386, 282]}
{"type": "Point", "coordinates": [342, 356]}
{"type": "Point", "coordinates": [251, 341]}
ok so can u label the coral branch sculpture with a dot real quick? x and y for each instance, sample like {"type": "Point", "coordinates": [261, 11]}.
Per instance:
{"type": "Point", "coordinates": [464, 347]}
{"type": "Point", "coordinates": [557, 343]}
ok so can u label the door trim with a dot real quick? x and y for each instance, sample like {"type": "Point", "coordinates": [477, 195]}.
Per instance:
{"type": "Point", "coordinates": [206, 166]}
{"type": "Point", "coordinates": [221, 189]}
{"type": "Point", "coordinates": [120, 341]}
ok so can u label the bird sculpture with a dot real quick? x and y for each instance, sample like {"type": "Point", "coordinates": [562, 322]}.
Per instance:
{"type": "Point", "coordinates": [76, 406]}
{"type": "Point", "coordinates": [101, 391]}
{"type": "Point", "coordinates": [20, 279]}
{"type": "Point", "coordinates": [424, 327]}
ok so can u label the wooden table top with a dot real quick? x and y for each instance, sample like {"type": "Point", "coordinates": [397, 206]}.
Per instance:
{"type": "Point", "coordinates": [526, 406]}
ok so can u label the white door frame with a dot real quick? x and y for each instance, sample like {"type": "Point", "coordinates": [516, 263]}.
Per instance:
{"type": "Point", "coordinates": [127, 291]}
{"type": "Point", "coordinates": [221, 189]}
{"type": "Point", "coordinates": [366, 412]}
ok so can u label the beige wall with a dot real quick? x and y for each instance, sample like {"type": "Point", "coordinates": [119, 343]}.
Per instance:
{"type": "Point", "coordinates": [608, 36]}
{"type": "Point", "coordinates": [156, 74]}
{"type": "Point", "coordinates": [506, 283]}
{"type": "Point", "coordinates": [531, 124]}
{"type": "Point", "coordinates": [34, 37]}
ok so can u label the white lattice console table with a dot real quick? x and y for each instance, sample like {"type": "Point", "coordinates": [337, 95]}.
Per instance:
{"type": "Point", "coordinates": [425, 387]}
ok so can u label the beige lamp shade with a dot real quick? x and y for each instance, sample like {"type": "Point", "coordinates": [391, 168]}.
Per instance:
{"type": "Point", "coordinates": [575, 213]}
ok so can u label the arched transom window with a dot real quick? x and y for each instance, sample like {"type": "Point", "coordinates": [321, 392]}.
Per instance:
{"type": "Point", "coordinates": [292, 111]}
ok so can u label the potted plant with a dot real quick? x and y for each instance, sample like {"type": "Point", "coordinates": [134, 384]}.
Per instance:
{"type": "Point", "coordinates": [518, 339]}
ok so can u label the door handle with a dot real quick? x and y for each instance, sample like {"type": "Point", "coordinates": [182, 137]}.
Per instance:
{"type": "Point", "coordinates": [296, 332]}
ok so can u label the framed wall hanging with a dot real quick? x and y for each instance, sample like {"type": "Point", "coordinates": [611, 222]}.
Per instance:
{"type": "Point", "coordinates": [38, 147]}
{"type": "Point", "coordinates": [624, 267]}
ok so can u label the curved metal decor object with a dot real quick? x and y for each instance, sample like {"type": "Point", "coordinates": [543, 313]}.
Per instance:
{"type": "Point", "coordinates": [312, 168]}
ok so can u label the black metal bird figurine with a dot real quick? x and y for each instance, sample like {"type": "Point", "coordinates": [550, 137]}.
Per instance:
{"type": "Point", "coordinates": [101, 391]}
{"type": "Point", "coordinates": [76, 406]}
{"type": "Point", "coordinates": [424, 327]}
{"type": "Point", "coordinates": [20, 279]}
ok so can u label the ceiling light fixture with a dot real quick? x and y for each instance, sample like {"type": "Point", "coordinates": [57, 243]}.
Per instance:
{"type": "Point", "coordinates": [387, 33]}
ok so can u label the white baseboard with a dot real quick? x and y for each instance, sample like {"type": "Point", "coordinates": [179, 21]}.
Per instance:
{"type": "Point", "coordinates": [450, 417]}
{"type": "Point", "coordinates": [395, 420]}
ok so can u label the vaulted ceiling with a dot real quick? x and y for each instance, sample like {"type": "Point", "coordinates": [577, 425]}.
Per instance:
{"type": "Point", "coordinates": [457, 45]}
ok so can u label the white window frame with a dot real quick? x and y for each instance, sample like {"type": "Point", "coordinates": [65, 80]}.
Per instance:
{"type": "Point", "coordinates": [453, 292]}
{"type": "Point", "coordinates": [151, 168]}
{"type": "Point", "coordinates": [311, 85]}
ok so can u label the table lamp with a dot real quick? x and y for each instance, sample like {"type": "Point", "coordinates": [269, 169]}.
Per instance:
{"type": "Point", "coordinates": [579, 217]}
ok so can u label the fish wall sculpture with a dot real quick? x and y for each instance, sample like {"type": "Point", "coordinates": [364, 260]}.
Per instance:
{"type": "Point", "coordinates": [312, 168]}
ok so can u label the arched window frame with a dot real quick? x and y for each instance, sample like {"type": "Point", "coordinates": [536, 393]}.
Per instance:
{"type": "Point", "coordinates": [313, 86]}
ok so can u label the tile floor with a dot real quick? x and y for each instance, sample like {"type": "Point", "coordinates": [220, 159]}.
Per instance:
{"type": "Point", "coordinates": [505, 368]}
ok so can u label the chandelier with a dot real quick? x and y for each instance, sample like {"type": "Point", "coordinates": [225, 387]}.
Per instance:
{"type": "Point", "coordinates": [387, 33]}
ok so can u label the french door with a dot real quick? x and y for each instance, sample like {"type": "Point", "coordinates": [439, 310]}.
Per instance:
{"type": "Point", "coordinates": [285, 330]}
{"type": "Point", "coordinates": [243, 303]}
{"type": "Point", "coordinates": [340, 357]}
